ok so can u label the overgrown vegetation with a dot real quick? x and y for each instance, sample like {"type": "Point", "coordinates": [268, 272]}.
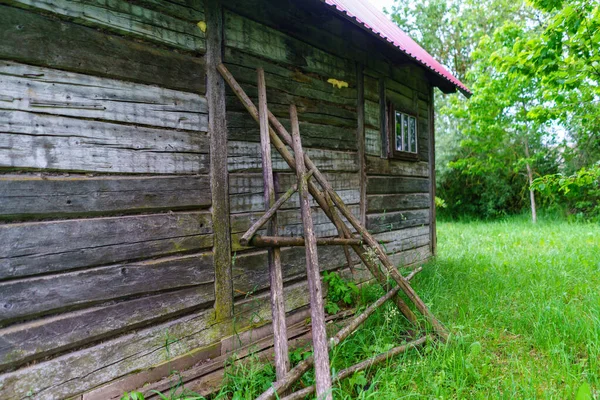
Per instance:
{"type": "Point", "coordinates": [522, 304]}
{"type": "Point", "coordinates": [534, 69]}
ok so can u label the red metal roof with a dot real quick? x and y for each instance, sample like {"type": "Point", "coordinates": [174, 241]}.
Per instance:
{"type": "Point", "coordinates": [370, 18]}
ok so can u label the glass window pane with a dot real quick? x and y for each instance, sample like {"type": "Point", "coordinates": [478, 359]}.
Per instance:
{"type": "Point", "coordinates": [398, 133]}
{"type": "Point", "coordinates": [413, 134]}
{"type": "Point", "coordinates": [405, 131]}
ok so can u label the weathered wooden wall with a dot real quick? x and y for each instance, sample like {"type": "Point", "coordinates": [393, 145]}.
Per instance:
{"type": "Point", "coordinates": [106, 228]}
{"type": "Point", "coordinates": [106, 232]}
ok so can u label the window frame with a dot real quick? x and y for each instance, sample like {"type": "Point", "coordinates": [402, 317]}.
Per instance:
{"type": "Point", "coordinates": [393, 152]}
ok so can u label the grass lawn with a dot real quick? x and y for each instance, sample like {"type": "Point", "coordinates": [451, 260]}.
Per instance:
{"type": "Point", "coordinates": [522, 302]}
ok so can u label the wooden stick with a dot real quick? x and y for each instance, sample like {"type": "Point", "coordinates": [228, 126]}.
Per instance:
{"type": "Point", "coordinates": [295, 241]}
{"type": "Point", "coordinates": [313, 274]}
{"type": "Point", "coordinates": [296, 373]}
{"type": "Point", "coordinates": [369, 239]}
{"type": "Point", "coordinates": [345, 373]}
{"type": "Point", "coordinates": [245, 239]}
{"type": "Point", "coordinates": [314, 190]}
{"type": "Point", "coordinates": [282, 360]}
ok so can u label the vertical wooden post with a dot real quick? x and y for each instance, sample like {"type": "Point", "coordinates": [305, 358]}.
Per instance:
{"type": "Point", "coordinates": [282, 361]}
{"type": "Point", "coordinates": [360, 138]}
{"type": "Point", "coordinates": [217, 129]}
{"type": "Point", "coordinates": [432, 210]}
{"type": "Point", "coordinates": [383, 120]}
{"type": "Point", "coordinates": [317, 312]}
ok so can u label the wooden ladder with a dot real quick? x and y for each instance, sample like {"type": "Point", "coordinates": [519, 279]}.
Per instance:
{"type": "Point", "coordinates": [272, 132]}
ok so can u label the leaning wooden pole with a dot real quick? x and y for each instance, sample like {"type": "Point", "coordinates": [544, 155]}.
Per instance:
{"type": "Point", "coordinates": [345, 373]}
{"type": "Point", "coordinates": [282, 360]}
{"type": "Point", "coordinates": [296, 373]}
{"type": "Point", "coordinates": [313, 273]}
{"type": "Point", "coordinates": [314, 190]}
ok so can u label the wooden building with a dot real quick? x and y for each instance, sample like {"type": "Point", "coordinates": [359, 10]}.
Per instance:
{"type": "Point", "coordinates": [128, 172]}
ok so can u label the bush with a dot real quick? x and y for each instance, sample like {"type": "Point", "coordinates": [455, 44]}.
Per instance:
{"type": "Point", "coordinates": [578, 194]}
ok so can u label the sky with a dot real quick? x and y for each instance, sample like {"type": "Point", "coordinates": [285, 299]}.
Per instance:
{"type": "Point", "coordinates": [380, 4]}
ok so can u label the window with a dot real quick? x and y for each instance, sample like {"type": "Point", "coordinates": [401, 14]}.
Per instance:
{"type": "Point", "coordinates": [402, 134]}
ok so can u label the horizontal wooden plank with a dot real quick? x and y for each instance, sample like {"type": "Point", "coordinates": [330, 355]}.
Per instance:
{"type": "Point", "coordinates": [251, 270]}
{"type": "Point", "coordinates": [43, 247]}
{"type": "Point", "coordinates": [21, 298]}
{"type": "Point", "coordinates": [76, 372]}
{"type": "Point", "coordinates": [246, 190]}
{"type": "Point", "coordinates": [68, 46]}
{"type": "Point", "coordinates": [252, 37]}
{"type": "Point", "coordinates": [386, 166]}
{"type": "Point", "coordinates": [41, 141]}
{"type": "Point", "coordinates": [404, 239]}
{"type": "Point", "coordinates": [246, 156]}
{"type": "Point", "coordinates": [290, 222]}
{"type": "Point", "coordinates": [128, 18]}
{"type": "Point", "coordinates": [51, 91]}
{"type": "Point", "coordinates": [241, 126]}
{"type": "Point", "coordinates": [395, 185]}
{"type": "Point", "coordinates": [42, 338]}
{"type": "Point", "coordinates": [31, 196]}
{"type": "Point", "coordinates": [373, 142]}
{"type": "Point", "coordinates": [411, 257]}
{"type": "Point", "coordinates": [378, 223]}
{"type": "Point", "coordinates": [396, 202]}
{"type": "Point", "coordinates": [287, 84]}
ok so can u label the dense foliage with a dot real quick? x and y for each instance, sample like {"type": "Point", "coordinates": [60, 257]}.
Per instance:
{"type": "Point", "coordinates": [534, 69]}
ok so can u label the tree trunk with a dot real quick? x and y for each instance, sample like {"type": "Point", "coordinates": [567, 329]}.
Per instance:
{"type": "Point", "coordinates": [530, 180]}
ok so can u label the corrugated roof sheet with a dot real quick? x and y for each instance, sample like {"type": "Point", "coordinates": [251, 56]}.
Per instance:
{"type": "Point", "coordinates": [370, 18]}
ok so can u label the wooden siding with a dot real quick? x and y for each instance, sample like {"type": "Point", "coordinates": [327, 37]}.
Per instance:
{"type": "Point", "coordinates": [109, 218]}
{"type": "Point", "coordinates": [328, 124]}
{"type": "Point", "coordinates": [104, 161]}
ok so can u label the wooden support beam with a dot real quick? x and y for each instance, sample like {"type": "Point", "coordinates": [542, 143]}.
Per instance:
{"type": "Point", "coordinates": [317, 312]}
{"type": "Point", "coordinates": [217, 128]}
{"type": "Point", "coordinates": [245, 240]}
{"type": "Point", "coordinates": [319, 196]}
{"type": "Point", "coordinates": [432, 210]}
{"type": "Point", "coordinates": [282, 359]}
{"type": "Point", "coordinates": [296, 373]}
{"type": "Point", "coordinates": [285, 241]}
{"type": "Point", "coordinates": [345, 373]}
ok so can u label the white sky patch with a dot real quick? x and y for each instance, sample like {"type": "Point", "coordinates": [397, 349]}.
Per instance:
{"type": "Point", "coordinates": [381, 4]}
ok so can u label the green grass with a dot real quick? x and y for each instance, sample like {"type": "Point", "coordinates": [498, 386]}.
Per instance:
{"type": "Point", "coordinates": [522, 302]}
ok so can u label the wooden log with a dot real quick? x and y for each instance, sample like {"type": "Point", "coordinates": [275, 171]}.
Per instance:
{"type": "Point", "coordinates": [314, 190]}
{"type": "Point", "coordinates": [296, 373]}
{"type": "Point", "coordinates": [32, 196]}
{"type": "Point", "coordinates": [217, 127]}
{"type": "Point", "coordinates": [70, 47]}
{"type": "Point", "coordinates": [267, 215]}
{"type": "Point", "coordinates": [360, 138]}
{"type": "Point", "coordinates": [127, 19]}
{"type": "Point", "coordinates": [345, 373]}
{"type": "Point", "coordinates": [251, 273]}
{"type": "Point", "coordinates": [78, 289]}
{"type": "Point", "coordinates": [22, 343]}
{"type": "Point", "coordinates": [397, 202]}
{"type": "Point", "coordinates": [35, 248]}
{"type": "Point", "coordinates": [282, 360]}
{"type": "Point", "coordinates": [50, 91]}
{"type": "Point", "coordinates": [317, 312]}
{"type": "Point", "coordinates": [395, 220]}
{"type": "Point", "coordinates": [245, 156]}
{"type": "Point", "coordinates": [245, 190]}
{"type": "Point", "coordinates": [73, 144]}
{"type": "Point", "coordinates": [393, 185]}
{"type": "Point", "coordinates": [284, 241]}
